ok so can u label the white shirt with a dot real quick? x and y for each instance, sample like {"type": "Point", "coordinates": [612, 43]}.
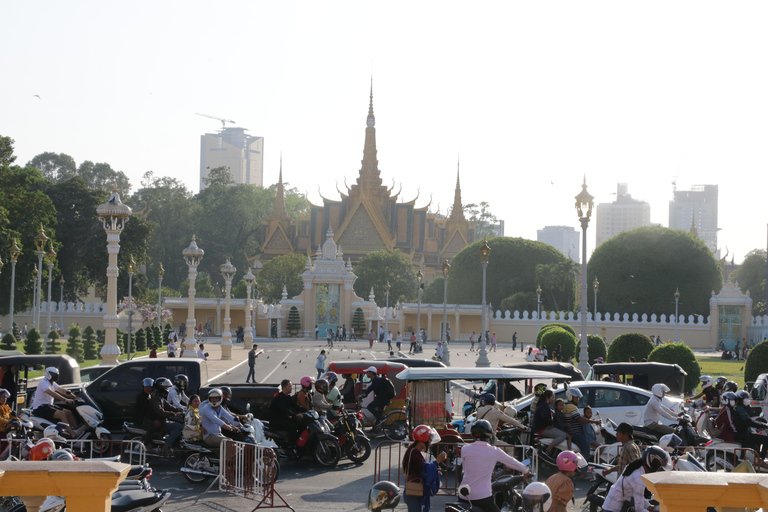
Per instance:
{"type": "Point", "coordinates": [177, 398]}
{"type": "Point", "coordinates": [479, 459]}
{"type": "Point", "coordinates": [625, 488]}
{"type": "Point", "coordinates": [41, 397]}
{"type": "Point", "coordinates": [653, 409]}
{"type": "Point", "coordinates": [200, 353]}
{"type": "Point", "coordinates": [171, 348]}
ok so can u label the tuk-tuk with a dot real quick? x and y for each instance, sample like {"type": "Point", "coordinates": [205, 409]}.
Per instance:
{"type": "Point", "coordinates": [15, 374]}
{"type": "Point", "coordinates": [642, 375]}
{"type": "Point", "coordinates": [353, 380]}
{"type": "Point", "coordinates": [545, 366]}
{"type": "Point", "coordinates": [415, 363]}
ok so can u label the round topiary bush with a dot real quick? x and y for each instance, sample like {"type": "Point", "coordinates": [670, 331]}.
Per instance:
{"type": "Point", "coordinates": [757, 362]}
{"type": "Point", "coordinates": [682, 355]}
{"type": "Point", "coordinates": [596, 348]}
{"type": "Point", "coordinates": [545, 328]}
{"type": "Point", "coordinates": [630, 344]}
{"type": "Point", "coordinates": [558, 336]}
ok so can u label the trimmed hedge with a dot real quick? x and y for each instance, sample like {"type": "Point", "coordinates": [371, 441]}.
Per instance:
{"type": "Point", "coordinates": [757, 362]}
{"type": "Point", "coordinates": [596, 348]}
{"type": "Point", "coordinates": [631, 344]}
{"type": "Point", "coordinates": [558, 336]}
{"type": "Point", "coordinates": [682, 355]}
{"type": "Point", "coordinates": [546, 327]}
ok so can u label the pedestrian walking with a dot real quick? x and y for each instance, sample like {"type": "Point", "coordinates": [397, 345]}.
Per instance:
{"type": "Point", "coordinates": [514, 342]}
{"type": "Point", "coordinates": [389, 340]}
{"type": "Point", "coordinates": [439, 351]}
{"type": "Point", "coordinates": [399, 340]}
{"type": "Point", "coordinates": [320, 364]}
{"type": "Point", "coordinates": [371, 337]}
{"type": "Point", "coordinates": [252, 355]}
{"type": "Point", "coordinates": [413, 343]}
{"type": "Point", "coordinates": [381, 334]}
{"type": "Point", "coordinates": [317, 332]}
{"type": "Point", "coordinates": [201, 353]}
{"type": "Point", "coordinates": [493, 342]}
{"type": "Point", "coordinates": [472, 342]}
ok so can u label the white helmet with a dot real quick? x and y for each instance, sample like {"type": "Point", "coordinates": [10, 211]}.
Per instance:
{"type": "Point", "coordinates": [670, 442]}
{"type": "Point", "coordinates": [535, 494]}
{"type": "Point", "coordinates": [215, 394]}
{"type": "Point", "coordinates": [53, 432]}
{"type": "Point", "coordinates": [572, 392]}
{"type": "Point", "coordinates": [706, 381]}
{"type": "Point", "coordinates": [659, 390]}
{"type": "Point", "coordinates": [50, 372]}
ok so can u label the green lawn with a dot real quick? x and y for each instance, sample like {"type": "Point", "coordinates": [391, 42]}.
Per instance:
{"type": "Point", "coordinates": [714, 367]}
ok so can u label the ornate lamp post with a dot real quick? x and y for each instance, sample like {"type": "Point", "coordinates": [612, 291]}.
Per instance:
{"type": "Point", "coordinates": [595, 286]}
{"type": "Point", "coordinates": [113, 214]}
{"type": "Point", "coordinates": [584, 204]}
{"type": "Point", "coordinates": [482, 358]}
{"type": "Point", "coordinates": [15, 252]}
{"type": "Point", "coordinates": [192, 256]}
{"type": "Point", "coordinates": [40, 241]}
{"type": "Point", "coordinates": [49, 258]}
{"type": "Point", "coordinates": [419, 278]}
{"type": "Point", "coordinates": [228, 271]}
{"type": "Point", "coordinates": [538, 313]}
{"type": "Point", "coordinates": [160, 274]}
{"type": "Point", "coordinates": [677, 301]}
{"type": "Point", "coordinates": [443, 337]}
{"type": "Point", "coordinates": [255, 306]}
{"type": "Point", "coordinates": [61, 304]}
{"type": "Point", "coordinates": [34, 294]}
{"type": "Point", "coordinates": [386, 312]}
{"type": "Point", "coordinates": [249, 278]}
{"type": "Point", "coordinates": [131, 268]}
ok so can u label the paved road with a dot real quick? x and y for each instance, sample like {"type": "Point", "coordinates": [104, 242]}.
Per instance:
{"type": "Point", "coordinates": [305, 485]}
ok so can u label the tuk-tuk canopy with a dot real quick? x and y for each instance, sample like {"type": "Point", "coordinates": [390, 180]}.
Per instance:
{"type": "Point", "coordinates": [413, 363]}
{"type": "Point", "coordinates": [69, 370]}
{"type": "Point", "coordinates": [454, 373]}
{"type": "Point", "coordinates": [388, 368]}
{"type": "Point", "coordinates": [554, 367]}
{"type": "Point", "coordinates": [645, 375]}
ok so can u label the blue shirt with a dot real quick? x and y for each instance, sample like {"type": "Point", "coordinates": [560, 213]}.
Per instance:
{"type": "Point", "coordinates": [214, 418]}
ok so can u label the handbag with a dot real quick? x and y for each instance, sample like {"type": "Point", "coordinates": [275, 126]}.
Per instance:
{"type": "Point", "coordinates": [414, 487]}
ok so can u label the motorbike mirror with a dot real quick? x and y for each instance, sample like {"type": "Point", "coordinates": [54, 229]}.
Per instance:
{"type": "Point", "coordinates": [247, 408]}
{"type": "Point", "coordinates": [464, 490]}
{"type": "Point", "coordinates": [526, 462]}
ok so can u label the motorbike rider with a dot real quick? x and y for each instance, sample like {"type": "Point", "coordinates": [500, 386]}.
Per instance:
{"type": "Point", "coordinates": [226, 391]}
{"type": "Point", "coordinates": [5, 409]}
{"type": "Point", "coordinates": [47, 391]}
{"type": "Point", "coordinates": [303, 398]}
{"type": "Point", "coordinates": [543, 422]}
{"type": "Point", "coordinates": [574, 420]}
{"type": "Point", "coordinates": [725, 420]}
{"type": "Point", "coordinates": [319, 402]}
{"type": "Point", "coordinates": [708, 391]}
{"type": "Point", "coordinates": [215, 418]}
{"type": "Point", "coordinates": [654, 408]}
{"type": "Point", "coordinates": [334, 395]}
{"type": "Point", "coordinates": [176, 395]}
{"type": "Point", "coordinates": [493, 415]}
{"type": "Point", "coordinates": [630, 484]}
{"type": "Point", "coordinates": [160, 411]}
{"type": "Point", "coordinates": [141, 406]}
{"type": "Point", "coordinates": [479, 460]}
{"type": "Point", "coordinates": [381, 396]}
{"type": "Point", "coordinates": [414, 464]}
{"type": "Point", "coordinates": [745, 426]}
{"type": "Point", "coordinates": [629, 450]}
{"type": "Point", "coordinates": [284, 413]}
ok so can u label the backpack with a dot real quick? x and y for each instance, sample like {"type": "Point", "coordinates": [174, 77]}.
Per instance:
{"type": "Point", "coordinates": [388, 389]}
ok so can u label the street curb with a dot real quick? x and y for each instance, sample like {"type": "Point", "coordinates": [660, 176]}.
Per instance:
{"type": "Point", "coordinates": [227, 372]}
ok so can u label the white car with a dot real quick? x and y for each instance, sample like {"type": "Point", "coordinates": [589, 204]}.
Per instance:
{"type": "Point", "coordinates": [618, 402]}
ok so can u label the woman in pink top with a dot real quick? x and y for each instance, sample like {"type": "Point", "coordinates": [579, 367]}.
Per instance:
{"type": "Point", "coordinates": [413, 343]}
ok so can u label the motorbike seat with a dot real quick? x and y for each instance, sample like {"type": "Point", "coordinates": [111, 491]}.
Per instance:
{"type": "Point", "coordinates": [125, 501]}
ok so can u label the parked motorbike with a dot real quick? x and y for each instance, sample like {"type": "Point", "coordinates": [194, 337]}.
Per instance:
{"type": "Point", "coordinates": [316, 440]}
{"type": "Point", "coordinates": [506, 497]}
{"type": "Point", "coordinates": [352, 440]}
{"type": "Point", "coordinates": [90, 419]}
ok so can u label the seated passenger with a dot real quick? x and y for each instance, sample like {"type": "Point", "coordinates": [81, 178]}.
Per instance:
{"type": "Point", "coordinates": [193, 424]}
{"type": "Point", "coordinates": [160, 411]}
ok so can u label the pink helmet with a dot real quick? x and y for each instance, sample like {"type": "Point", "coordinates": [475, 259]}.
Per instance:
{"type": "Point", "coordinates": [567, 461]}
{"type": "Point", "coordinates": [307, 382]}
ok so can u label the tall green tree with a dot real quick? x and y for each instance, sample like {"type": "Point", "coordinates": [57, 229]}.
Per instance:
{"type": "Point", "coordinates": [481, 218]}
{"type": "Point", "coordinates": [432, 293]}
{"type": "Point", "coordinates": [557, 279]}
{"type": "Point", "coordinates": [203, 287]}
{"type": "Point", "coordinates": [281, 270]}
{"type": "Point", "coordinates": [75, 344]}
{"type": "Point", "coordinates": [101, 176]}
{"type": "Point", "coordinates": [90, 350]}
{"type": "Point", "coordinates": [33, 343]}
{"type": "Point", "coordinates": [377, 268]}
{"type": "Point", "coordinates": [751, 278]}
{"type": "Point", "coordinates": [53, 344]}
{"type": "Point", "coordinates": [54, 166]}
{"type": "Point", "coordinates": [640, 270]}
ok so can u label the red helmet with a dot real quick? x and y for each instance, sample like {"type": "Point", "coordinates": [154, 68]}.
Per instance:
{"type": "Point", "coordinates": [42, 450]}
{"type": "Point", "coordinates": [426, 434]}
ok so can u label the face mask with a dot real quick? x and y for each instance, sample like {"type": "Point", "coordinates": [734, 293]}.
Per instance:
{"type": "Point", "coordinates": [732, 403]}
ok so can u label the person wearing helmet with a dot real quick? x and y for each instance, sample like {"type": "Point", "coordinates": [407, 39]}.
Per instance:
{"type": "Point", "coordinates": [629, 450]}
{"type": "Point", "coordinates": [708, 391]}
{"type": "Point", "coordinates": [303, 397]}
{"type": "Point", "coordinates": [383, 392]}
{"type": "Point", "coordinates": [284, 413]}
{"type": "Point", "coordinates": [414, 467]}
{"type": "Point", "coordinates": [725, 420]}
{"type": "Point", "coordinates": [226, 402]}
{"type": "Point", "coordinates": [479, 460]}
{"type": "Point", "coordinates": [536, 497]}
{"type": "Point", "coordinates": [383, 495]}
{"type": "Point", "coordinates": [334, 395]}
{"type": "Point", "coordinates": [560, 484]}
{"type": "Point", "coordinates": [142, 403]}
{"type": "Point", "coordinates": [575, 421]}
{"type": "Point", "coordinates": [654, 410]}
{"type": "Point", "coordinates": [176, 395]}
{"type": "Point", "coordinates": [5, 409]}
{"type": "Point", "coordinates": [215, 418]}
{"type": "Point", "coordinates": [630, 484]}
{"type": "Point", "coordinates": [745, 426]}
{"type": "Point", "coordinates": [494, 416]}
{"type": "Point", "coordinates": [159, 411]}
{"type": "Point", "coordinates": [731, 386]}
{"type": "Point", "coordinates": [319, 402]}
{"type": "Point", "coordinates": [47, 391]}
{"type": "Point", "coordinates": [543, 422]}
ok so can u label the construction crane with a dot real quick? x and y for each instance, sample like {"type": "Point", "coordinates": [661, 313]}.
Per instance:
{"type": "Point", "coordinates": [223, 121]}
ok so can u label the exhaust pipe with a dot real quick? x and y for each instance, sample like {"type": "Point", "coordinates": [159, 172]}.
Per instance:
{"type": "Point", "coordinates": [198, 472]}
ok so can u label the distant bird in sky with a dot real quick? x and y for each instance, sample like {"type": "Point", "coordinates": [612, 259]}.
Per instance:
{"type": "Point", "coordinates": [633, 302]}
{"type": "Point", "coordinates": [37, 96]}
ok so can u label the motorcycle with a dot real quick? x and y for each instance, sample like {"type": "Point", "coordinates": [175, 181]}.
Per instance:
{"type": "Point", "coordinates": [90, 419]}
{"type": "Point", "coordinates": [316, 440]}
{"type": "Point", "coordinates": [504, 492]}
{"type": "Point", "coordinates": [352, 440]}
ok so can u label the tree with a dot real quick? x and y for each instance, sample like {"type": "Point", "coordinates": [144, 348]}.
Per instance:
{"type": "Point", "coordinates": [141, 340]}
{"type": "Point", "coordinates": [9, 342]}
{"type": "Point", "coordinates": [511, 269]}
{"type": "Point", "coordinates": [757, 362]}
{"type": "Point", "coordinates": [680, 354]}
{"type": "Point", "coordinates": [557, 279]}
{"type": "Point", "coordinates": [358, 322]}
{"type": "Point", "coordinates": [157, 336]}
{"type": "Point", "coordinates": [75, 344]}
{"type": "Point", "coordinates": [203, 287]}
{"type": "Point", "coordinates": [631, 344]}
{"type": "Point", "coordinates": [377, 268]}
{"type": "Point", "coordinates": [90, 350]}
{"type": "Point", "coordinates": [751, 278]}
{"type": "Point", "coordinates": [166, 332]}
{"type": "Point", "coordinates": [521, 301]}
{"type": "Point", "coordinates": [433, 292]}
{"type": "Point", "coordinates": [101, 176]}
{"type": "Point", "coordinates": [558, 336]}
{"type": "Point", "coordinates": [546, 327]}
{"type": "Point", "coordinates": [480, 218]}
{"type": "Point", "coordinates": [281, 270]}
{"type": "Point", "coordinates": [640, 270]}
{"type": "Point", "coordinates": [294, 321]}
{"type": "Point", "coordinates": [54, 166]}
{"type": "Point", "coordinates": [32, 344]}
{"type": "Point", "coordinates": [53, 343]}
{"type": "Point", "coordinates": [595, 349]}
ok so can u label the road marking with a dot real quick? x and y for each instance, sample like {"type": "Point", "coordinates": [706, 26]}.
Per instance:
{"type": "Point", "coordinates": [265, 379]}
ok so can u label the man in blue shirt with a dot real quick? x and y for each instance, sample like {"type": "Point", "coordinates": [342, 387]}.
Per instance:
{"type": "Point", "coordinates": [214, 418]}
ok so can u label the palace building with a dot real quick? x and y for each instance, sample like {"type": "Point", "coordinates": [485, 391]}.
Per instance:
{"type": "Point", "coordinates": [370, 217]}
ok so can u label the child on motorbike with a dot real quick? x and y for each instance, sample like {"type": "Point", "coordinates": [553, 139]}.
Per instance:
{"type": "Point", "coordinates": [559, 417]}
{"type": "Point", "coordinates": [560, 484]}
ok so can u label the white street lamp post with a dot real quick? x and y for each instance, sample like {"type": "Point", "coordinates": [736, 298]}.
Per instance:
{"type": "Point", "coordinates": [419, 278]}
{"type": "Point", "coordinates": [160, 274]}
{"type": "Point", "coordinates": [595, 285]}
{"type": "Point", "coordinates": [113, 214]}
{"type": "Point", "coordinates": [15, 251]}
{"type": "Point", "coordinates": [249, 278]}
{"type": "Point", "coordinates": [228, 271]}
{"type": "Point", "coordinates": [61, 304]}
{"type": "Point", "coordinates": [40, 241]}
{"type": "Point", "coordinates": [131, 267]}
{"type": "Point", "coordinates": [255, 306]}
{"type": "Point", "coordinates": [538, 313]}
{"type": "Point", "coordinates": [444, 330]}
{"type": "Point", "coordinates": [584, 204]}
{"type": "Point", "coordinates": [49, 258]}
{"type": "Point", "coordinates": [34, 297]}
{"type": "Point", "coordinates": [482, 358]}
{"type": "Point", "coordinates": [677, 301]}
{"type": "Point", "coordinates": [192, 256]}
{"type": "Point", "coordinates": [386, 312]}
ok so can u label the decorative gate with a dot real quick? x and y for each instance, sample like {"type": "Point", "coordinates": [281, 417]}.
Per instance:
{"type": "Point", "coordinates": [327, 302]}
{"type": "Point", "coordinates": [730, 326]}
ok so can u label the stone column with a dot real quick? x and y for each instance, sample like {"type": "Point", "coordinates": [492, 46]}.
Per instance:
{"type": "Point", "coordinates": [228, 271]}
{"type": "Point", "coordinates": [249, 279]}
{"type": "Point", "coordinates": [192, 256]}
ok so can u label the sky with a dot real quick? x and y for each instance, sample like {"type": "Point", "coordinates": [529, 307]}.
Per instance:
{"type": "Point", "coordinates": [530, 97]}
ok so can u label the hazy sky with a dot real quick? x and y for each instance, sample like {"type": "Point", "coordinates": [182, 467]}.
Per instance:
{"type": "Point", "coordinates": [531, 95]}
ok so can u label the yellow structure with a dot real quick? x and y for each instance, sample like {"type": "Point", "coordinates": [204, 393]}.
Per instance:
{"type": "Point", "coordinates": [694, 492]}
{"type": "Point", "coordinates": [86, 485]}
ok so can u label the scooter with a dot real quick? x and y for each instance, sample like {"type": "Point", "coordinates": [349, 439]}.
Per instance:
{"type": "Point", "coordinates": [506, 497]}
{"type": "Point", "coordinates": [352, 440]}
{"type": "Point", "coordinates": [316, 440]}
{"type": "Point", "coordinates": [90, 419]}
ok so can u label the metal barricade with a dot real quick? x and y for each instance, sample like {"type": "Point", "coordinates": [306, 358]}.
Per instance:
{"type": "Point", "coordinates": [249, 471]}
{"type": "Point", "coordinates": [718, 458]}
{"type": "Point", "coordinates": [388, 458]}
{"type": "Point", "coordinates": [606, 453]}
{"type": "Point", "coordinates": [129, 451]}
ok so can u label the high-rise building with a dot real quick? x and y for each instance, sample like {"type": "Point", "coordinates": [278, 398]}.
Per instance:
{"type": "Point", "coordinates": [624, 214]}
{"type": "Point", "coordinates": [563, 238]}
{"type": "Point", "coordinates": [696, 208]}
{"type": "Point", "coordinates": [243, 154]}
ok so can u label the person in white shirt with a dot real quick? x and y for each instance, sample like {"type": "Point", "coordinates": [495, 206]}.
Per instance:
{"type": "Point", "coordinates": [630, 484]}
{"type": "Point", "coordinates": [176, 395]}
{"type": "Point", "coordinates": [494, 416]}
{"type": "Point", "coordinates": [172, 350]}
{"type": "Point", "coordinates": [654, 410]}
{"type": "Point", "coordinates": [45, 393]}
{"type": "Point", "coordinates": [201, 352]}
{"type": "Point", "coordinates": [479, 460]}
